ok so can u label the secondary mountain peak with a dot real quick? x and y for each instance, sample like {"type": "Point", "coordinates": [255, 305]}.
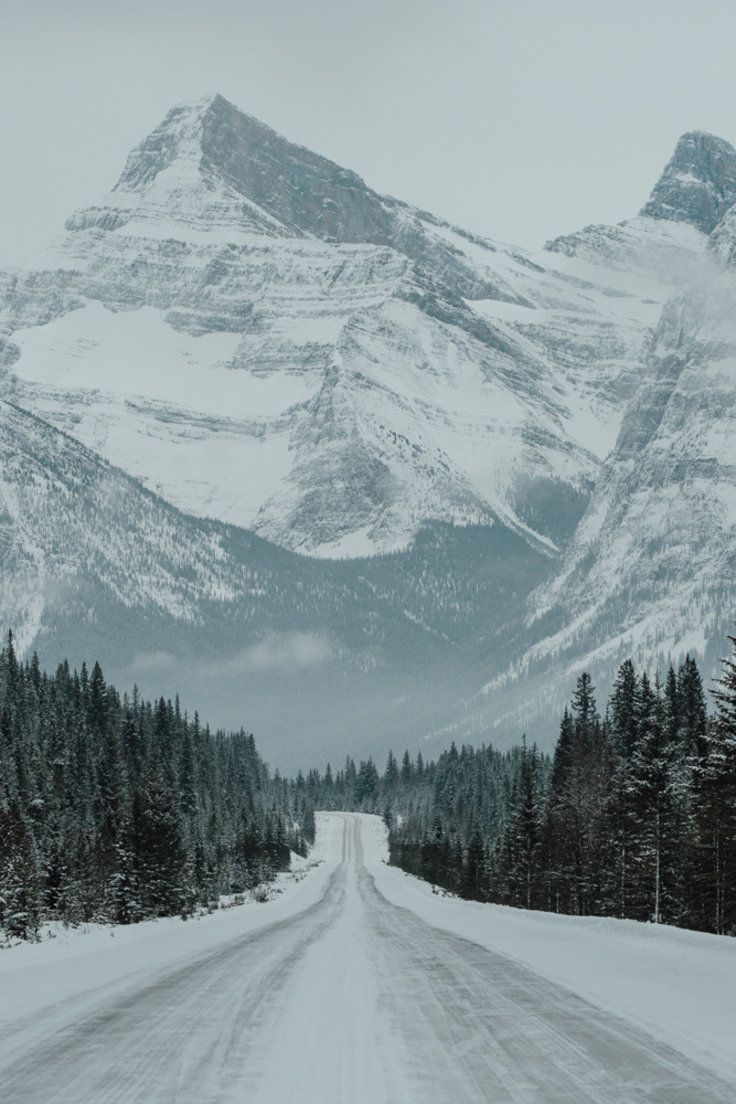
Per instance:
{"type": "Point", "coordinates": [698, 184]}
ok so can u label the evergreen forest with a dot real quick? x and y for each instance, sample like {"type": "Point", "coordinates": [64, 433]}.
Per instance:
{"type": "Point", "coordinates": [634, 815]}
{"type": "Point", "coordinates": [114, 809]}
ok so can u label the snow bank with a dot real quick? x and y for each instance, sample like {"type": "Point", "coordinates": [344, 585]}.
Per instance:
{"type": "Point", "coordinates": [680, 986]}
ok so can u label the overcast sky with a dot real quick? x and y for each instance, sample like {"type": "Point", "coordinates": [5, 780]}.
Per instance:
{"type": "Point", "coordinates": [520, 119]}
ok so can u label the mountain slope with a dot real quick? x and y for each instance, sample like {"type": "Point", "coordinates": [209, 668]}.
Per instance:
{"type": "Point", "coordinates": [649, 573]}
{"type": "Point", "coordinates": [655, 555]}
{"type": "Point", "coordinates": [696, 189]}
{"type": "Point", "coordinates": [93, 565]}
{"type": "Point", "coordinates": [651, 570]}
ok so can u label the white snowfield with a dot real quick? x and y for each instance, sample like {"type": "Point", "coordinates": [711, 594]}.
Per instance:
{"type": "Point", "coordinates": [358, 984]}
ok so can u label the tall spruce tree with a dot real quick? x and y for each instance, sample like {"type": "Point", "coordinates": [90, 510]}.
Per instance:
{"type": "Point", "coordinates": [716, 818]}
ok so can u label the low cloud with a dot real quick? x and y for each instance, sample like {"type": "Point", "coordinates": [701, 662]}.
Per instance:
{"type": "Point", "coordinates": [145, 662]}
{"type": "Point", "coordinates": [282, 651]}
{"type": "Point", "coordinates": [277, 651]}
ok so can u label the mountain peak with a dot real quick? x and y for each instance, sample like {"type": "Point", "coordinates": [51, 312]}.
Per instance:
{"type": "Point", "coordinates": [698, 184]}
{"type": "Point", "coordinates": [303, 192]}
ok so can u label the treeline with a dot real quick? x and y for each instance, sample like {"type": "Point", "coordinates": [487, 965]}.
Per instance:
{"type": "Point", "coordinates": [116, 809]}
{"type": "Point", "coordinates": [633, 816]}
{"type": "Point", "coordinates": [466, 788]}
{"type": "Point", "coordinates": [443, 816]}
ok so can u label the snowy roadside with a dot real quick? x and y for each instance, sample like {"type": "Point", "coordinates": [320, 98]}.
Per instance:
{"type": "Point", "coordinates": [45, 985]}
{"type": "Point", "coordinates": [679, 986]}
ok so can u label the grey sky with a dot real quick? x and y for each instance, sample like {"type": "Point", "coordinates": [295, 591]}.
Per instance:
{"type": "Point", "coordinates": [520, 119]}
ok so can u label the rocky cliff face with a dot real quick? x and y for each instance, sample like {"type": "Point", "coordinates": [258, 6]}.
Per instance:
{"type": "Point", "coordinates": [654, 558]}
{"type": "Point", "coordinates": [210, 167]}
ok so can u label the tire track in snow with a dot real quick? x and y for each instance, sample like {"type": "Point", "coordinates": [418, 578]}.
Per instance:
{"type": "Point", "coordinates": [182, 1038]}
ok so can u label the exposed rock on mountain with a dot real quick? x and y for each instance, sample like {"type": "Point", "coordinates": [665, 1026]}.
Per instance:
{"type": "Point", "coordinates": [654, 559]}
{"type": "Point", "coordinates": [694, 192]}
{"type": "Point", "coordinates": [644, 248]}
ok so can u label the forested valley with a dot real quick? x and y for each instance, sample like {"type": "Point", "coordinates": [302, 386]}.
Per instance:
{"type": "Point", "coordinates": [114, 809]}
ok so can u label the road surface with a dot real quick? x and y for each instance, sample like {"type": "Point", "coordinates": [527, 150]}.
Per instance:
{"type": "Point", "coordinates": [351, 1000]}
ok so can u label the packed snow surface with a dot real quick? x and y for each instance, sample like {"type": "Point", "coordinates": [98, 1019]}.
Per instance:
{"type": "Point", "coordinates": [358, 983]}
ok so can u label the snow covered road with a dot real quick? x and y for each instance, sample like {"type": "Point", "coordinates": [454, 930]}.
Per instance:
{"type": "Point", "coordinates": [334, 996]}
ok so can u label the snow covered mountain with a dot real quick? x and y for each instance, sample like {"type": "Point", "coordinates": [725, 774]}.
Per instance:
{"type": "Point", "coordinates": [276, 351]}
{"type": "Point", "coordinates": [258, 337]}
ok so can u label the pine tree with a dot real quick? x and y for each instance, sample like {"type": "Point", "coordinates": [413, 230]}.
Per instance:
{"type": "Point", "coordinates": [716, 818]}
{"type": "Point", "coordinates": [522, 846]}
{"type": "Point", "coordinates": [391, 775]}
{"type": "Point", "coordinates": [558, 859]}
{"type": "Point", "coordinates": [474, 867]}
{"type": "Point", "coordinates": [366, 785]}
{"type": "Point", "coordinates": [19, 876]}
{"type": "Point", "coordinates": [654, 802]}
